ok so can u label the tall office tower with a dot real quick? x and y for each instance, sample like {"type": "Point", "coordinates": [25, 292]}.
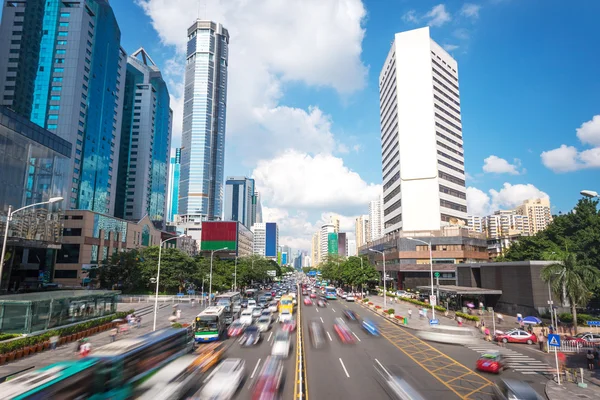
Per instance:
{"type": "Point", "coordinates": [421, 136]}
{"type": "Point", "coordinates": [62, 67]}
{"type": "Point", "coordinates": [376, 218]}
{"type": "Point", "coordinates": [257, 208]}
{"type": "Point", "coordinates": [315, 247]}
{"type": "Point", "coordinates": [362, 230]}
{"type": "Point", "coordinates": [240, 200]}
{"type": "Point", "coordinates": [538, 211]}
{"type": "Point", "coordinates": [173, 198]}
{"type": "Point", "coordinates": [326, 241]}
{"type": "Point", "coordinates": [203, 136]}
{"type": "Point", "coordinates": [142, 184]}
{"type": "Point", "coordinates": [266, 239]}
{"type": "Point", "coordinates": [342, 244]}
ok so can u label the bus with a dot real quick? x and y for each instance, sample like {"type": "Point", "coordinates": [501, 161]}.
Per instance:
{"type": "Point", "coordinates": [286, 303]}
{"type": "Point", "coordinates": [112, 372]}
{"type": "Point", "coordinates": [251, 293]}
{"type": "Point", "coordinates": [210, 324]}
{"type": "Point", "coordinates": [232, 302]}
{"type": "Point", "coordinates": [330, 293]}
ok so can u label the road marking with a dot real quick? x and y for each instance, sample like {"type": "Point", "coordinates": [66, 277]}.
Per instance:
{"type": "Point", "coordinates": [317, 309]}
{"type": "Point", "coordinates": [329, 336]}
{"type": "Point", "coordinates": [357, 338]}
{"type": "Point", "coordinates": [269, 338]}
{"type": "Point", "coordinates": [377, 361]}
{"type": "Point", "coordinates": [322, 320]}
{"type": "Point", "coordinates": [343, 366]}
{"type": "Point", "coordinates": [255, 368]}
{"type": "Point", "coordinates": [333, 309]}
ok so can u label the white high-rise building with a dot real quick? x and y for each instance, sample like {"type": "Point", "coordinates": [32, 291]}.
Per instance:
{"type": "Point", "coordinates": [362, 230]}
{"type": "Point", "coordinates": [376, 218]}
{"type": "Point", "coordinates": [421, 136]}
{"type": "Point", "coordinates": [476, 223]}
{"type": "Point", "coordinates": [351, 250]}
{"type": "Point", "coordinates": [324, 240]}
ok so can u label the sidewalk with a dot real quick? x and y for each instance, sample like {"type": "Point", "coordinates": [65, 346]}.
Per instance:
{"type": "Point", "coordinates": [570, 391]}
{"type": "Point", "coordinates": [67, 352]}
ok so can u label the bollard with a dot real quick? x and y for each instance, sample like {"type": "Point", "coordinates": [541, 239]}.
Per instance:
{"type": "Point", "coordinates": [405, 321]}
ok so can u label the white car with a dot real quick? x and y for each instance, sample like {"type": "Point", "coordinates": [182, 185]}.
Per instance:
{"type": "Point", "coordinates": [349, 297]}
{"type": "Point", "coordinates": [263, 323]}
{"type": "Point", "coordinates": [344, 295]}
{"type": "Point", "coordinates": [281, 345]}
{"type": "Point", "coordinates": [267, 313]}
{"type": "Point", "coordinates": [256, 312]}
{"type": "Point", "coordinates": [273, 306]}
{"type": "Point", "coordinates": [285, 316]}
{"type": "Point", "coordinates": [224, 381]}
{"type": "Point", "coordinates": [246, 317]}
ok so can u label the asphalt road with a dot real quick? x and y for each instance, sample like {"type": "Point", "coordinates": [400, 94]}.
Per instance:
{"type": "Point", "coordinates": [340, 371]}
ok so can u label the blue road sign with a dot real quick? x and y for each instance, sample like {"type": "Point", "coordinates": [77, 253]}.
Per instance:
{"type": "Point", "coordinates": [593, 323]}
{"type": "Point", "coordinates": [180, 294]}
{"type": "Point", "coordinates": [434, 322]}
{"type": "Point", "coordinates": [554, 340]}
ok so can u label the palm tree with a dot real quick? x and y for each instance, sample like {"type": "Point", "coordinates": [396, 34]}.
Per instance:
{"type": "Point", "coordinates": [577, 282]}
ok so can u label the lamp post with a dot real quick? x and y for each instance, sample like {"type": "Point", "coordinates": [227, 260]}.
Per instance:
{"type": "Point", "coordinates": [9, 216]}
{"type": "Point", "coordinates": [589, 193]}
{"type": "Point", "coordinates": [212, 254]}
{"type": "Point", "coordinates": [158, 278]}
{"type": "Point", "coordinates": [430, 270]}
{"type": "Point", "coordinates": [384, 278]}
{"type": "Point", "coordinates": [235, 276]}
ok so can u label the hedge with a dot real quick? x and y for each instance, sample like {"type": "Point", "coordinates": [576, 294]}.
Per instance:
{"type": "Point", "coordinates": [467, 316]}
{"type": "Point", "coordinates": [6, 336]}
{"type": "Point", "coordinates": [390, 311]}
{"type": "Point", "coordinates": [365, 300]}
{"type": "Point", "coordinates": [582, 319]}
{"type": "Point", "coordinates": [33, 340]}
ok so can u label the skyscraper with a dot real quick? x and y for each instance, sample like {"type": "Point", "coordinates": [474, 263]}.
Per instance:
{"type": "Point", "coordinates": [362, 230]}
{"type": "Point", "coordinates": [203, 136]}
{"type": "Point", "coordinates": [62, 66]}
{"type": "Point", "coordinates": [145, 143]}
{"type": "Point", "coordinates": [240, 200]}
{"type": "Point", "coordinates": [266, 239]}
{"type": "Point", "coordinates": [421, 136]}
{"type": "Point", "coordinates": [376, 218]}
{"type": "Point", "coordinates": [173, 199]}
{"type": "Point", "coordinates": [257, 208]}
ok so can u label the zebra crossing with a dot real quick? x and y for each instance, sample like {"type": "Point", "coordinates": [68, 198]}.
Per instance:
{"type": "Point", "coordinates": [516, 361]}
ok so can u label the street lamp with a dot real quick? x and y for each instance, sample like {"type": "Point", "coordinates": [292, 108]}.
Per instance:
{"type": "Point", "coordinates": [589, 193]}
{"type": "Point", "coordinates": [235, 276]}
{"type": "Point", "coordinates": [212, 253]}
{"type": "Point", "coordinates": [430, 270]}
{"type": "Point", "coordinates": [9, 216]}
{"type": "Point", "coordinates": [384, 278]}
{"type": "Point", "coordinates": [158, 278]}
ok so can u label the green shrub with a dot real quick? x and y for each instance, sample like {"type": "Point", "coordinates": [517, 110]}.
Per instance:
{"type": "Point", "coordinates": [6, 336]}
{"type": "Point", "coordinates": [365, 300]}
{"type": "Point", "coordinates": [467, 316]}
{"type": "Point", "coordinates": [176, 325]}
{"type": "Point", "coordinates": [582, 319]}
{"type": "Point", "coordinates": [390, 311]}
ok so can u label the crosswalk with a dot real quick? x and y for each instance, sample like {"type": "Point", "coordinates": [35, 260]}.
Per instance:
{"type": "Point", "coordinates": [516, 361]}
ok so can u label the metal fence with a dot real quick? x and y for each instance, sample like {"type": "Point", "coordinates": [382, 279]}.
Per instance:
{"type": "Point", "coordinates": [161, 299]}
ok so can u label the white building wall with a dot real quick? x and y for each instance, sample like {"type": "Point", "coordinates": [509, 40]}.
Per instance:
{"type": "Point", "coordinates": [259, 232]}
{"type": "Point", "coordinates": [376, 218]}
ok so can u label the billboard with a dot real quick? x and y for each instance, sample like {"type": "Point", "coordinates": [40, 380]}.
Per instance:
{"type": "Point", "coordinates": [219, 234]}
{"type": "Point", "coordinates": [270, 239]}
{"type": "Point", "coordinates": [332, 243]}
{"type": "Point", "coordinates": [342, 251]}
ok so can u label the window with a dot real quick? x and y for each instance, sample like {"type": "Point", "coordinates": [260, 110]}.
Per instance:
{"type": "Point", "coordinates": [65, 15]}
{"type": "Point", "coordinates": [52, 126]}
{"type": "Point", "coordinates": [59, 61]}
{"type": "Point", "coordinates": [452, 192]}
{"type": "Point", "coordinates": [63, 33]}
{"type": "Point", "coordinates": [65, 273]}
{"type": "Point", "coordinates": [57, 79]}
{"type": "Point", "coordinates": [61, 51]}
{"type": "Point", "coordinates": [61, 70]}
{"type": "Point", "coordinates": [55, 98]}
{"type": "Point", "coordinates": [54, 116]}
{"type": "Point", "coordinates": [61, 42]}
{"type": "Point", "coordinates": [453, 206]}
{"type": "Point", "coordinates": [72, 232]}
{"type": "Point", "coordinates": [54, 107]}
{"type": "Point", "coordinates": [68, 254]}
{"type": "Point", "coordinates": [63, 24]}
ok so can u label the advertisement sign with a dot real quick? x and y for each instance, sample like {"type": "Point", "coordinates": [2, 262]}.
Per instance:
{"type": "Point", "coordinates": [219, 234]}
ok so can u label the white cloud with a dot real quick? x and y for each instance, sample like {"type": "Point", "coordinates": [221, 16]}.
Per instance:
{"type": "Point", "coordinates": [562, 159]}
{"type": "Point", "coordinates": [450, 47]}
{"type": "Point", "coordinates": [438, 15]}
{"type": "Point", "coordinates": [470, 10]}
{"type": "Point", "coordinates": [272, 43]}
{"type": "Point", "coordinates": [461, 34]}
{"type": "Point", "coordinates": [589, 132]}
{"type": "Point", "coordinates": [497, 165]}
{"type": "Point", "coordinates": [410, 16]}
{"type": "Point", "coordinates": [299, 180]}
{"type": "Point", "coordinates": [508, 197]}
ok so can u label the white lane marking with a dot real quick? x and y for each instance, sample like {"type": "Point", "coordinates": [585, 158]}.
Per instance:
{"type": "Point", "coordinates": [343, 366]}
{"type": "Point", "coordinates": [357, 338]}
{"type": "Point", "coordinates": [329, 336]}
{"type": "Point", "coordinates": [333, 309]}
{"type": "Point", "coordinates": [377, 361]}
{"type": "Point", "coordinates": [317, 309]}
{"type": "Point", "coordinates": [269, 338]}
{"type": "Point", "coordinates": [322, 320]}
{"type": "Point", "coordinates": [255, 368]}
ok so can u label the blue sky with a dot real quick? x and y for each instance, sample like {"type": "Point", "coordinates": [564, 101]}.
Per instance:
{"type": "Point", "coordinates": [303, 115]}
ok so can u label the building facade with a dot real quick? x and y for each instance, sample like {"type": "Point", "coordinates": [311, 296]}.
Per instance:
{"type": "Point", "coordinates": [257, 208]}
{"type": "Point", "coordinates": [173, 193]}
{"type": "Point", "coordinates": [342, 244]}
{"type": "Point", "coordinates": [315, 248]}
{"type": "Point", "coordinates": [266, 239]}
{"type": "Point", "coordinates": [230, 238]}
{"type": "Point", "coordinates": [32, 161]}
{"type": "Point", "coordinates": [539, 213]}
{"type": "Point", "coordinates": [362, 230]}
{"type": "Point", "coordinates": [376, 219]}
{"type": "Point", "coordinates": [145, 143]}
{"type": "Point", "coordinates": [352, 249]}
{"type": "Point", "coordinates": [476, 223]}
{"type": "Point", "coordinates": [62, 67]}
{"type": "Point", "coordinates": [324, 240]}
{"type": "Point", "coordinates": [421, 136]}
{"type": "Point", "coordinates": [204, 116]}
{"type": "Point", "coordinates": [240, 200]}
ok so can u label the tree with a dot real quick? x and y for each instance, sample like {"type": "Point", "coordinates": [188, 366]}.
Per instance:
{"type": "Point", "coordinates": [122, 271]}
{"type": "Point", "coordinates": [576, 279]}
{"type": "Point", "coordinates": [356, 273]}
{"type": "Point", "coordinates": [176, 268]}
{"type": "Point", "coordinates": [331, 268]}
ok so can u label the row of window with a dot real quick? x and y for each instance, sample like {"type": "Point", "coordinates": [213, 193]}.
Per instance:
{"type": "Point", "coordinates": [449, 157]}
{"type": "Point", "coordinates": [448, 122]}
{"type": "Point", "coordinates": [453, 206]}
{"type": "Point", "coordinates": [446, 138]}
{"type": "Point", "coordinates": [452, 167]}
{"type": "Point", "coordinates": [446, 104]}
{"type": "Point", "coordinates": [449, 148]}
{"type": "Point", "coordinates": [450, 178]}
{"type": "Point", "coordinates": [445, 71]}
{"type": "Point", "coordinates": [392, 180]}
{"type": "Point", "coordinates": [445, 79]}
{"type": "Point", "coordinates": [436, 80]}
{"type": "Point", "coordinates": [393, 221]}
{"type": "Point", "coordinates": [453, 192]}
{"type": "Point", "coordinates": [392, 208]}
{"type": "Point", "coordinates": [446, 129]}
{"type": "Point", "coordinates": [391, 194]}
{"type": "Point", "coordinates": [447, 113]}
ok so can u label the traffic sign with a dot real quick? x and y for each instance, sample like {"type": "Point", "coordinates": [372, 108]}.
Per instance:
{"type": "Point", "coordinates": [593, 323]}
{"type": "Point", "coordinates": [434, 321]}
{"type": "Point", "coordinates": [437, 274]}
{"type": "Point", "coordinates": [433, 300]}
{"type": "Point", "coordinates": [554, 340]}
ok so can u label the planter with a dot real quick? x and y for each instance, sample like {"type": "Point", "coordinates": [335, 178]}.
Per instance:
{"type": "Point", "coordinates": [40, 347]}
{"type": "Point", "coordinates": [46, 345]}
{"type": "Point", "coordinates": [62, 340]}
{"type": "Point", "coordinates": [2, 358]}
{"type": "Point", "coordinates": [18, 354]}
{"type": "Point", "coordinates": [33, 349]}
{"type": "Point", "coordinates": [26, 351]}
{"type": "Point", "coordinates": [11, 356]}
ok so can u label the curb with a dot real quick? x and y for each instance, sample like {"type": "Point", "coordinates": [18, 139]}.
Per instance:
{"type": "Point", "coordinates": [392, 320]}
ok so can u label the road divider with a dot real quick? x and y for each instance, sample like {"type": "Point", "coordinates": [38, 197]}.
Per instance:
{"type": "Point", "coordinates": [300, 381]}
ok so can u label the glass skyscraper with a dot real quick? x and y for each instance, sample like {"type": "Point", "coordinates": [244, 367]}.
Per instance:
{"type": "Point", "coordinates": [203, 136]}
{"type": "Point", "coordinates": [240, 200]}
{"type": "Point", "coordinates": [145, 143]}
{"type": "Point", "coordinates": [173, 198]}
{"type": "Point", "coordinates": [62, 67]}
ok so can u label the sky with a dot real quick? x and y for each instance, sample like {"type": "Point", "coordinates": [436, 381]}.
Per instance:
{"type": "Point", "coordinates": [303, 100]}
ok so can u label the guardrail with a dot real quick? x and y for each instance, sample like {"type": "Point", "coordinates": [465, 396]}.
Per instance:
{"type": "Point", "coordinates": [300, 385]}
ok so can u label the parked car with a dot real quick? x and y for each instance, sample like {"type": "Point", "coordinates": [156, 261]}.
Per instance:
{"type": "Point", "coordinates": [516, 336]}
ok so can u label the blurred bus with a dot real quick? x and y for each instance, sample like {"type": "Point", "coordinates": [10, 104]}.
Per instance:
{"type": "Point", "coordinates": [232, 302]}
{"type": "Point", "coordinates": [172, 382]}
{"type": "Point", "coordinates": [286, 303]}
{"type": "Point", "coordinates": [210, 324]}
{"type": "Point", "coordinates": [449, 335]}
{"type": "Point", "coordinates": [330, 293]}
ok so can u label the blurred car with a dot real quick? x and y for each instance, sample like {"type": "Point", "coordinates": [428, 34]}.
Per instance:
{"type": "Point", "coordinates": [246, 317]}
{"type": "Point", "coordinates": [236, 328]}
{"type": "Point", "coordinates": [269, 383]}
{"type": "Point", "coordinates": [304, 293]}
{"type": "Point", "coordinates": [516, 336]}
{"type": "Point", "coordinates": [349, 297]}
{"type": "Point", "coordinates": [350, 315]}
{"type": "Point", "coordinates": [251, 336]}
{"type": "Point", "coordinates": [285, 316]}
{"type": "Point", "coordinates": [396, 387]}
{"type": "Point", "coordinates": [308, 301]}
{"type": "Point", "coordinates": [507, 389]}
{"type": "Point", "coordinates": [256, 312]}
{"type": "Point", "coordinates": [321, 303]}
{"type": "Point", "coordinates": [251, 303]}
{"type": "Point", "coordinates": [273, 306]}
{"type": "Point", "coordinates": [288, 326]}
{"type": "Point", "coordinates": [264, 323]}
{"type": "Point", "coordinates": [244, 303]}
{"type": "Point", "coordinates": [587, 339]}
{"type": "Point", "coordinates": [282, 344]}
{"type": "Point", "coordinates": [316, 333]}
{"type": "Point", "coordinates": [343, 331]}
{"type": "Point", "coordinates": [313, 295]}
{"type": "Point", "coordinates": [224, 380]}
{"type": "Point", "coordinates": [370, 327]}
{"type": "Point", "coordinates": [490, 362]}
{"type": "Point", "coordinates": [267, 313]}
{"type": "Point", "coordinates": [344, 295]}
